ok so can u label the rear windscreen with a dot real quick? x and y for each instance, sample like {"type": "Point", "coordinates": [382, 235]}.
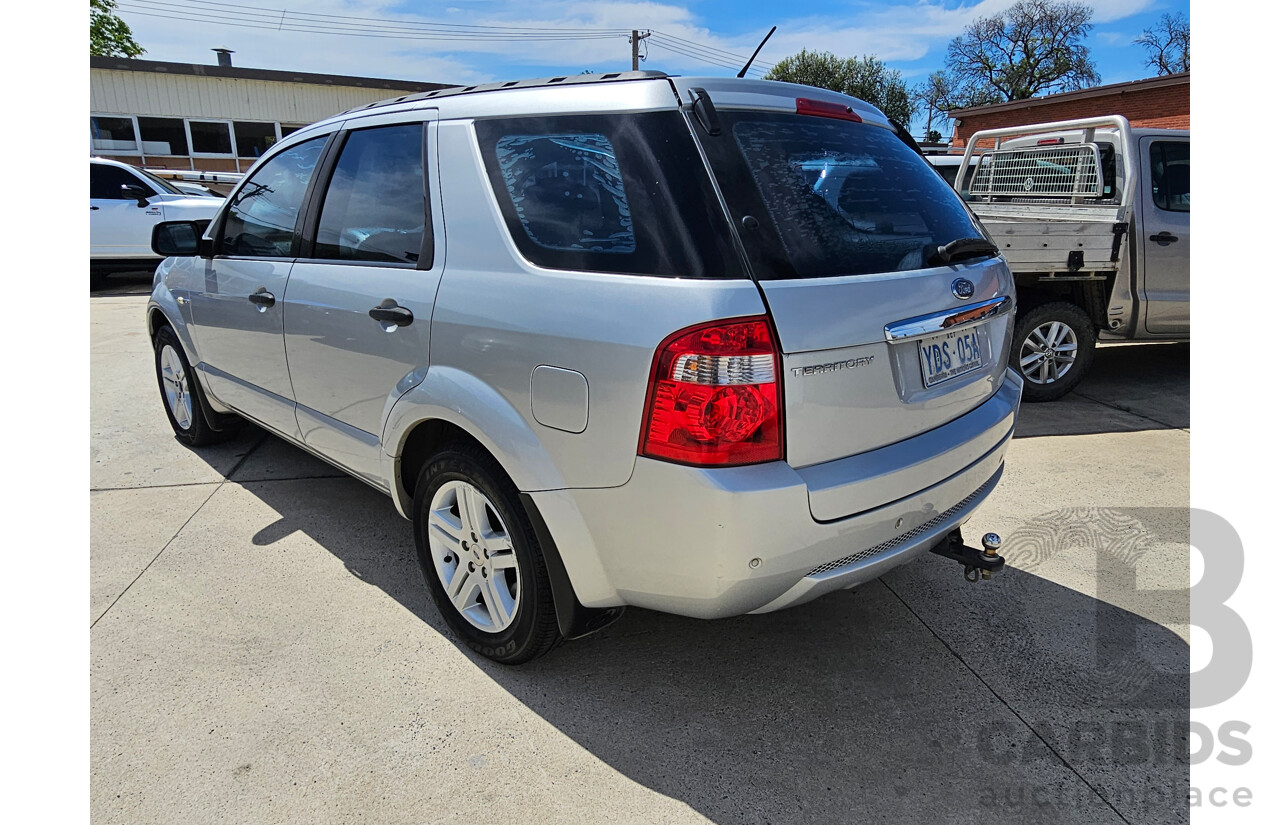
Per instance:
{"type": "Point", "coordinates": [819, 197]}
{"type": "Point", "coordinates": [621, 193]}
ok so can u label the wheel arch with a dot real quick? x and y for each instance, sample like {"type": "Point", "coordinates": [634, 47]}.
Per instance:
{"type": "Point", "coordinates": [163, 310]}
{"type": "Point", "coordinates": [453, 404]}
{"type": "Point", "coordinates": [419, 426]}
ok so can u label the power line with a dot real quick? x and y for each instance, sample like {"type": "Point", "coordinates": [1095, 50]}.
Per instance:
{"type": "Point", "coordinates": [255, 17]}
{"type": "Point", "coordinates": [702, 47]}
{"type": "Point", "coordinates": [703, 58]}
{"type": "Point", "coordinates": [275, 14]}
{"type": "Point", "coordinates": [709, 60]}
{"type": "Point", "coordinates": [274, 23]}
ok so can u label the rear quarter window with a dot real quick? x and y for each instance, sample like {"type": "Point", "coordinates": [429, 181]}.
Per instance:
{"type": "Point", "coordinates": [568, 192]}
{"type": "Point", "coordinates": [623, 194]}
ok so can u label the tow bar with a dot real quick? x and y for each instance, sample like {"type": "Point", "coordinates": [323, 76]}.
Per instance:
{"type": "Point", "coordinates": [977, 563]}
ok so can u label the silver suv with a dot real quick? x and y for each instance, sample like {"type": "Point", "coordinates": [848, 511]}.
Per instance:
{"type": "Point", "coordinates": [705, 346]}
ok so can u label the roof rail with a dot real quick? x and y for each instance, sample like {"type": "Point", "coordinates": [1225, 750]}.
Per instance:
{"type": "Point", "coordinates": [539, 83]}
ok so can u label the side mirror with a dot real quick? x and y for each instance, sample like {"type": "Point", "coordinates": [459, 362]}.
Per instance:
{"type": "Point", "coordinates": [181, 239]}
{"type": "Point", "coordinates": [137, 193]}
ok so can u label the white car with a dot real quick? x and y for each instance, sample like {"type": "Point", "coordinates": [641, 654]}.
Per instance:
{"type": "Point", "coordinates": [124, 204]}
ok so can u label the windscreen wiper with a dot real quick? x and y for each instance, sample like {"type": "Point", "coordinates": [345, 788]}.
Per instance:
{"type": "Point", "coordinates": [962, 249]}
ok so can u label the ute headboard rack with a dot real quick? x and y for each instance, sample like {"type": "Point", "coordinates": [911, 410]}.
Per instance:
{"type": "Point", "coordinates": [1065, 171]}
{"type": "Point", "coordinates": [1061, 170]}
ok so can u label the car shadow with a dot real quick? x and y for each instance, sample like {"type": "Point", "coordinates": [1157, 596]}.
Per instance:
{"type": "Point", "coordinates": [1131, 387]}
{"type": "Point", "coordinates": [124, 283]}
{"type": "Point", "coordinates": [914, 698]}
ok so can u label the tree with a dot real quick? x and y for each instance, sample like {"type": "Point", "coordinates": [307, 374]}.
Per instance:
{"type": "Point", "coordinates": [109, 36]}
{"type": "Point", "coordinates": [1033, 47]}
{"type": "Point", "coordinates": [933, 97]}
{"type": "Point", "coordinates": [1168, 44]}
{"type": "Point", "coordinates": [865, 77]}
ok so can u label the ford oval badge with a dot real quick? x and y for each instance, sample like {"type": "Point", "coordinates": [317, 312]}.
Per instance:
{"type": "Point", "coordinates": [962, 288]}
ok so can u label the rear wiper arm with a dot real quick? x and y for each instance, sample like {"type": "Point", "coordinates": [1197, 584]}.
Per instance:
{"type": "Point", "coordinates": [963, 248]}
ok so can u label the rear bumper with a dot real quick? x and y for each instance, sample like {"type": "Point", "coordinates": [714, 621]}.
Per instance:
{"type": "Point", "coordinates": [723, 542]}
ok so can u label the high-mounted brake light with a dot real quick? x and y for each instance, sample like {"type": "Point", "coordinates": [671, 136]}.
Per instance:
{"type": "Point", "coordinates": [713, 396]}
{"type": "Point", "coordinates": [822, 108]}
{"type": "Point", "coordinates": [1050, 142]}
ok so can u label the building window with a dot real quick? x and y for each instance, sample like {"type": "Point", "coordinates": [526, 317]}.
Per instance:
{"type": "Point", "coordinates": [113, 134]}
{"type": "Point", "coordinates": [254, 139]}
{"type": "Point", "coordinates": [210, 137]}
{"type": "Point", "coordinates": [286, 130]}
{"type": "Point", "coordinates": [163, 136]}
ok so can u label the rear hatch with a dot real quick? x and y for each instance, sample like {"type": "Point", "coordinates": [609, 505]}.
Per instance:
{"type": "Point", "coordinates": [883, 337]}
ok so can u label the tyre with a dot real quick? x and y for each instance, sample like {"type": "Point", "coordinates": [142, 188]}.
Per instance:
{"type": "Point", "coordinates": [480, 557]}
{"type": "Point", "coordinates": [1052, 350]}
{"type": "Point", "coordinates": [97, 279]}
{"type": "Point", "coordinates": [180, 391]}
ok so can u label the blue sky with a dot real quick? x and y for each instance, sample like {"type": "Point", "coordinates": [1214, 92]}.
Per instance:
{"type": "Point", "coordinates": [909, 35]}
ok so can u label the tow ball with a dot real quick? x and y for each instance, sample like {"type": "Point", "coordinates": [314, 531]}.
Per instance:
{"type": "Point", "coordinates": [977, 563]}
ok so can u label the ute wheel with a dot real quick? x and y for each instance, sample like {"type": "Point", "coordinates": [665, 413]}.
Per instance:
{"type": "Point", "coordinates": [481, 558]}
{"type": "Point", "coordinates": [1052, 350]}
{"type": "Point", "coordinates": [180, 390]}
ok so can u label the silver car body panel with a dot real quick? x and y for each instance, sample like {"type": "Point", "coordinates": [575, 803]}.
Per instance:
{"type": "Point", "coordinates": [877, 477]}
{"type": "Point", "coordinates": [871, 455]}
{"type": "Point", "coordinates": [618, 552]}
{"type": "Point", "coordinates": [242, 356]}
{"type": "Point", "coordinates": [499, 317]}
{"type": "Point", "coordinates": [328, 331]}
{"type": "Point", "coordinates": [880, 398]}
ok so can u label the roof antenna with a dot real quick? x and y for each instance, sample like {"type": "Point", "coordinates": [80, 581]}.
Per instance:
{"type": "Point", "coordinates": [743, 73]}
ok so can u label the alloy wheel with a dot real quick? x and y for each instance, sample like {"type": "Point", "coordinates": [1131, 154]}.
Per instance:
{"type": "Point", "coordinates": [1048, 352]}
{"type": "Point", "coordinates": [176, 390]}
{"type": "Point", "coordinates": [473, 556]}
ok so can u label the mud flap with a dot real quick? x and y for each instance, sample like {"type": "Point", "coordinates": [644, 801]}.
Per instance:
{"type": "Point", "coordinates": [574, 619]}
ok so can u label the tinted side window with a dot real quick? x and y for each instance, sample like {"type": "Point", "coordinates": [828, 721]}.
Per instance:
{"type": "Point", "coordinates": [568, 191]}
{"type": "Point", "coordinates": [1171, 175]}
{"type": "Point", "coordinates": [608, 193]}
{"type": "Point", "coordinates": [262, 214]}
{"type": "Point", "coordinates": [376, 208]}
{"type": "Point", "coordinates": [105, 182]}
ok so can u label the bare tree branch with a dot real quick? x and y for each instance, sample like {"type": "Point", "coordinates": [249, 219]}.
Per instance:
{"type": "Point", "coordinates": [1033, 47]}
{"type": "Point", "coordinates": [1168, 44]}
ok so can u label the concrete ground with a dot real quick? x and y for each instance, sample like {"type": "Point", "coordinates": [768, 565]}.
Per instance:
{"type": "Point", "coordinates": [263, 648]}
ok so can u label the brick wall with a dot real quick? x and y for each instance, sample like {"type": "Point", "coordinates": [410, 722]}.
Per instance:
{"type": "Point", "coordinates": [1165, 107]}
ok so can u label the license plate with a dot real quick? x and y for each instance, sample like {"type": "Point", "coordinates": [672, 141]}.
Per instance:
{"type": "Point", "coordinates": [950, 354]}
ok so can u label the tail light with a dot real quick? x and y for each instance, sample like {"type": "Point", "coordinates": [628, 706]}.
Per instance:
{"type": "Point", "coordinates": [713, 396]}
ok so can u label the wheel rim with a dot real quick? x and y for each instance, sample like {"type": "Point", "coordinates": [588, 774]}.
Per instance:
{"type": "Point", "coordinates": [1048, 353]}
{"type": "Point", "coordinates": [473, 556]}
{"type": "Point", "coordinates": [176, 392]}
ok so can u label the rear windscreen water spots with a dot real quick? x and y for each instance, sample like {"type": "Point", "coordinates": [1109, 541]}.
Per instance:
{"type": "Point", "coordinates": [840, 198]}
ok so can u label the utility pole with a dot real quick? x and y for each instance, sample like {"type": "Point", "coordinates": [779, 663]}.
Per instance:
{"type": "Point", "coordinates": [636, 37]}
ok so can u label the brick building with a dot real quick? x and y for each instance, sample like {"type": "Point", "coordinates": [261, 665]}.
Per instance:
{"type": "Point", "coordinates": [1157, 102]}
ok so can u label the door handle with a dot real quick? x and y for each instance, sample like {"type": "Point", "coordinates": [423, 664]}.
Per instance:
{"type": "Point", "coordinates": [262, 298]}
{"type": "Point", "coordinates": [1164, 238]}
{"type": "Point", "coordinates": [397, 315]}
{"type": "Point", "coordinates": [93, 209]}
